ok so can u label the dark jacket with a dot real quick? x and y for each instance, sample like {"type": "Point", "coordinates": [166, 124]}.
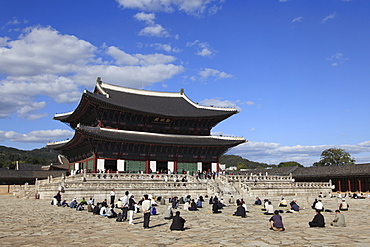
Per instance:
{"type": "Point", "coordinates": [240, 211]}
{"type": "Point", "coordinates": [177, 223]}
{"type": "Point", "coordinates": [318, 221]}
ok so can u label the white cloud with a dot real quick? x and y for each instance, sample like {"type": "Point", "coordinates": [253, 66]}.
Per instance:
{"type": "Point", "coordinates": [154, 30]}
{"type": "Point", "coordinates": [207, 72]}
{"type": "Point", "coordinates": [165, 47]}
{"type": "Point", "coordinates": [204, 49]}
{"type": "Point", "coordinates": [44, 50]}
{"type": "Point", "coordinates": [331, 16]}
{"type": "Point", "coordinates": [298, 19]}
{"type": "Point", "coordinates": [43, 62]}
{"type": "Point", "coordinates": [37, 136]}
{"type": "Point", "coordinates": [274, 153]}
{"type": "Point", "coordinates": [192, 7]}
{"type": "Point", "coordinates": [148, 18]}
{"type": "Point", "coordinates": [337, 59]}
{"type": "Point", "coordinates": [217, 102]}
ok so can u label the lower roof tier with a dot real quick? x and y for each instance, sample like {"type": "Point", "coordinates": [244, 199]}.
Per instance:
{"type": "Point", "coordinates": [146, 137]}
{"type": "Point", "coordinates": [95, 140]}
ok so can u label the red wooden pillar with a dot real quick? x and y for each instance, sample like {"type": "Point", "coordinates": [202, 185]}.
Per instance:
{"type": "Point", "coordinates": [95, 165]}
{"type": "Point", "coordinates": [175, 166]}
{"type": "Point", "coordinates": [147, 166]}
{"type": "Point", "coordinates": [339, 186]}
{"type": "Point", "coordinates": [359, 185]}
{"type": "Point", "coordinates": [349, 185]}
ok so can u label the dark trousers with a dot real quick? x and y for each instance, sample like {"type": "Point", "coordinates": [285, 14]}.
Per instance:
{"type": "Point", "coordinates": [312, 224]}
{"type": "Point", "coordinates": [124, 213]}
{"type": "Point", "coordinates": [112, 199]}
{"type": "Point", "coordinates": [146, 219]}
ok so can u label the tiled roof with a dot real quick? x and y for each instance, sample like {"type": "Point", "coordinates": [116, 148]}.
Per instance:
{"type": "Point", "coordinates": [318, 171]}
{"type": "Point", "coordinates": [9, 173]}
{"type": "Point", "coordinates": [151, 138]}
{"type": "Point", "coordinates": [332, 171]}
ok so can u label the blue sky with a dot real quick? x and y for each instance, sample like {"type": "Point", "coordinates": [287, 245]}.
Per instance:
{"type": "Point", "coordinates": [298, 70]}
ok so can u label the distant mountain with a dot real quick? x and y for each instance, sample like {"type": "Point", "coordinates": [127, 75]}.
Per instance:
{"type": "Point", "coordinates": [46, 156]}
{"type": "Point", "coordinates": [42, 156]}
{"type": "Point", "coordinates": [238, 161]}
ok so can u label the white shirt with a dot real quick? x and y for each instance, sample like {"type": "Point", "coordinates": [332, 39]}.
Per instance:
{"type": "Point", "coordinates": [319, 205]}
{"type": "Point", "coordinates": [124, 201]}
{"type": "Point", "coordinates": [270, 209]}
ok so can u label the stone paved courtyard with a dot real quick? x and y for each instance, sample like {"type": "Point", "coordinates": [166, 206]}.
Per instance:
{"type": "Point", "coordinates": [31, 222]}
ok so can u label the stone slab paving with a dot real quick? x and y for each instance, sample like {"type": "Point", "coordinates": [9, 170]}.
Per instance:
{"type": "Point", "coordinates": [31, 222]}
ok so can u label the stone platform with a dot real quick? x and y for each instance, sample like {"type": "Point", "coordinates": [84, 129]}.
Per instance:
{"type": "Point", "coordinates": [32, 222]}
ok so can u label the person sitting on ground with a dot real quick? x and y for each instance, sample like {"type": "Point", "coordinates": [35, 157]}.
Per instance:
{"type": "Point", "coordinates": [318, 220]}
{"type": "Point", "coordinates": [119, 203]}
{"type": "Point", "coordinates": [199, 203]}
{"type": "Point", "coordinates": [91, 201]}
{"type": "Point", "coordinates": [276, 222]}
{"type": "Point", "coordinates": [215, 208]}
{"type": "Point", "coordinates": [111, 213]}
{"type": "Point", "coordinates": [244, 205]}
{"type": "Point", "coordinates": [240, 211]}
{"type": "Point", "coordinates": [103, 210]}
{"type": "Point", "coordinates": [58, 198]}
{"type": "Point", "coordinates": [269, 209]}
{"type": "Point", "coordinates": [283, 203]}
{"type": "Point", "coordinates": [220, 203]}
{"type": "Point", "coordinates": [73, 203]}
{"type": "Point", "coordinates": [175, 202]}
{"type": "Point", "coordinates": [314, 204]}
{"type": "Point", "coordinates": [153, 202]}
{"type": "Point", "coordinates": [64, 203]}
{"type": "Point", "coordinates": [211, 200]}
{"type": "Point", "coordinates": [193, 206]}
{"type": "Point", "coordinates": [96, 209]}
{"type": "Point", "coordinates": [177, 222]}
{"type": "Point", "coordinates": [83, 201]}
{"type": "Point", "coordinates": [344, 205]}
{"type": "Point", "coordinates": [319, 206]}
{"type": "Point", "coordinates": [80, 207]}
{"type": "Point", "coordinates": [90, 208]}
{"type": "Point", "coordinates": [265, 203]}
{"type": "Point", "coordinates": [168, 214]}
{"type": "Point", "coordinates": [258, 201]}
{"type": "Point", "coordinates": [338, 220]}
{"type": "Point", "coordinates": [294, 208]}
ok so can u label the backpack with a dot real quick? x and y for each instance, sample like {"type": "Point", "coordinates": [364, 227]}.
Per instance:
{"type": "Point", "coordinates": [153, 211]}
{"type": "Point", "coordinates": [119, 217]}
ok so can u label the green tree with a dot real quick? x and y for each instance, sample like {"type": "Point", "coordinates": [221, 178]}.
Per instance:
{"type": "Point", "coordinates": [334, 157]}
{"type": "Point", "coordinates": [241, 166]}
{"type": "Point", "coordinates": [289, 164]}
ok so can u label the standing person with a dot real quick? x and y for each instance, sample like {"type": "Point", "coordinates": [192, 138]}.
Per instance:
{"type": "Point", "coordinates": [146, 209]}
{"type": "Point", "coordinates": [131, 209]}
{"type": "Point", "coordinates": [177, 222]}
{"type": "Point", "coordinates": [112, 196]}
{"type": "Point", "coordinates": [124, 201]}
{"type": "Point", "coordinates": [338, 220]}
{"type": "Point", "coordinates": [318, 220]}
{"type": "Point", "coordinates": [276, 222]}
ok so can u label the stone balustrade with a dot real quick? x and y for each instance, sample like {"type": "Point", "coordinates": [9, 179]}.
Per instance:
{"type": "Point", "coordinates": [254, 178]}
{"type": "Point", "coordinates": [99, 185]}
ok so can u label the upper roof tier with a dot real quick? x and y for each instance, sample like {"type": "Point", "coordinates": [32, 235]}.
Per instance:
{"type": "Point", "coordinates": [147, 102]}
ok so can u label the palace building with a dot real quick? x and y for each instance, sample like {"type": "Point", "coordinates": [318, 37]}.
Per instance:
{"type": "Point", "coordinates": [121, 129]}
